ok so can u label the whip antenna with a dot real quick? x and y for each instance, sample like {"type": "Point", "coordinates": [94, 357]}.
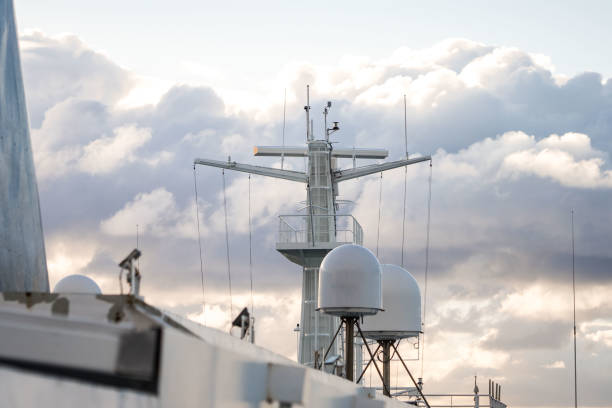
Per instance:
{"type": "Point", "coordinates": [426, 266]}
{"type": "Point", "coordinates": [251, 251]}
{"type": "Point", "coordinates": [379, 214]}
{"type": "Point", "coordinates": [284, 116]}
{"type": "Point", "coordinates": [405, 182]}
{"type": "Point", "coordinates": [574, 306]}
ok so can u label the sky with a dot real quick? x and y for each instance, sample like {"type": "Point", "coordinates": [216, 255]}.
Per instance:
{"type": "Point", "coordinates": [513, 102]}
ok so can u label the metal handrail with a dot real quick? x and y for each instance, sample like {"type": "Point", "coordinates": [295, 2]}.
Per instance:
{"type": "Point", "coordinates": [349, 231]}
{"type": "Point", "coordinates": [403, 392]}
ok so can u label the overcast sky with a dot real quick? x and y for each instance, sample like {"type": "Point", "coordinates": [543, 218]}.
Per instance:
{"type": "Point", "coordinates": [513, 103]}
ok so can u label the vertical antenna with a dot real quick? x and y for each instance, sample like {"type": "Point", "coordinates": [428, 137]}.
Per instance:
{"type": "Point", "coordinates": [424, 320]}
{"type": "Point", "coordinates": [325, 131]}
{"type": "Point", "coordinates": [405, 183]}
{"type": "Point", "coordinates": [137, 245]}
{"type": "Point", "coordinates": [379, 208]}
{"type": "Point", "coordinates": [251, 254]}
{"type": "Point", "coordinates": [307, 109]}
{"type": "Point", "coordinates": [284, 112]}
{"type": "Point", "coordinates": [405, 128]}
{"type": "Point", "coordinates": [574, 305]}
{"type": "Point", "coordinates": [311, 128]}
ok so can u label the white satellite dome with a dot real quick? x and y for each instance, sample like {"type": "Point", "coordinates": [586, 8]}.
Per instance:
{"type": "Point", "coordinates": [77, 284]}
{"type": "Point", "coordinates": [402, 307]}
{"type": "Point", "coordinates": [350, 282]}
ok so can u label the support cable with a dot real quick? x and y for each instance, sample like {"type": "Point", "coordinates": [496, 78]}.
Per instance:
{"type": "Point", "coordinates": [574, 306]}
{"type": "Point", "coordinates": [197, 208]}
{"type": "Point", "coordinates": [404, 213]}
{"type": "Point", "coordinates": [227, 251]}
{"type": "Point", "coordinates": [251, 251]}
{"type": "Point", "coordinates": [284, 116]}
{"type": "Point", "coordinates": [331, 344]}
{"type": "Point", "coordinates": [368, 365]}
{"type": "Point", "coordinates": [379, 214]}
{"type": "Point", "coordinates": [405, 181]}
{"type": "Point", "coordinates": [372, 357]}
{"type": "Point", "coordinates": [426, 265]}
{"type": "Point", "coordinates": [412, 378]}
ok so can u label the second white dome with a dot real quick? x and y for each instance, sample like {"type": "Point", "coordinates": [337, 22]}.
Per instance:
{"type": "Point", "coordinates": [402, 307]}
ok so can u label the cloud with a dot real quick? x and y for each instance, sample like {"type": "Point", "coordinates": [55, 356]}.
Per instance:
{"type": "Point", "coordinates": [60, 68]}
{"type": "Point", "coordinates": [106, 154]}
{"type": "Point", "coordinates": [555, 364]}
{"type": "Point", "coordinates": [598, 331]}
{"type": "Point", "coordinates": [155, 213]}
{"type": "Point", "coordinates": [515, 146]}
{"type": "Point", "coordinates": [103, 155]}
{"type": "Point", "coordinates": [552, 158]}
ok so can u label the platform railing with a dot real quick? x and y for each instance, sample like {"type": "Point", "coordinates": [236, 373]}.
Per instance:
{"type": "Point", "coordinates": [448, 400]}
{"type": "Point", "coordinates": [299, 228]}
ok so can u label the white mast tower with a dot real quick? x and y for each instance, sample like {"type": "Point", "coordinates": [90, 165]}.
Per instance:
{"type": "Point", "coordinates": [306, 238]}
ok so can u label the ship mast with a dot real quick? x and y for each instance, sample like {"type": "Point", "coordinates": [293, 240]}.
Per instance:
{"type": "Point", "coordinates": [306, 237]}
{"type": "Point", "coordinates": [23, 265]}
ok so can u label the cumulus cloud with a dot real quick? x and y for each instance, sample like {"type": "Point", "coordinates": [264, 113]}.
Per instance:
{"type": "Point", "coordinates": [514, 147]}
{"type": "Point", "coordinates": [155, 212]}
{"type": "Point", "coordinates": [553, 157]}
{"type": "Point", "coordinates": [106, 154]}
{"type": "Point", "coordinates": [555, 364]}
{"type": "Point", "coordinates": [61, 68]}
{"type": "Point", "coordinates": [100, 156]}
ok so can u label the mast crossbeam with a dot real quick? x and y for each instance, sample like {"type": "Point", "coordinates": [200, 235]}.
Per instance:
{"type": "Point", "coordinates": [260, 170]}
{"type": "Point", "coordinates": [338, 152]}
{"type": "Point", "coordinates": [342, 175]}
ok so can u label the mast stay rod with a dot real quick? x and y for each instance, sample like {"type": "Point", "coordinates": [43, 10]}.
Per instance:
{"type": "Point", "coordinates": [342, 175]}
{"type": "Point", "coordinates": [260, 170]}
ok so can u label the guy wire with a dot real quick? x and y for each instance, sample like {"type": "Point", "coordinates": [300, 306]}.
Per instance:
{"type": "Point", "coordinates": [251, 251]}
{"type": "Point", "coordinates": [197, 208]}
{"type": "Point", "coordinates": [379, 214]}
{"type": "Point", "coordinates": [227, 251]}
{"type": "Point", "coordinates": [426, 265]}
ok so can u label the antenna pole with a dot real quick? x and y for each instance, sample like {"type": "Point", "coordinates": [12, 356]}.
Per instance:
{"type": "Point", "coordinates": [325, 128]}
{"type": "Point", "coordinates": [405, 128]}
{"type": "Point", "coordinates": [284, 117]}
{"type": "Point", "coordinates": [307, 109]}
{"type": "Point", "coordinates": [137, 244]}
{"type": "Point", "coordinates": [405, 183]}
{"type": "Point", "coordinates": [574, 306]}
{"type": "Point", "coordinates": [349, 358]}
{"type": "Point", "coordinates": [311, 129]}
{"type": "Point", "coordinates": [386, 346]}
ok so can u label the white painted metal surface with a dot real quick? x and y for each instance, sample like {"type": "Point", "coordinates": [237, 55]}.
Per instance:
{"type": "Point", "coordinates": [350, 282]}
{"type": "Point", "coordinates": [23, 265]}
{"type": "Point", "coordinates": [401, 317]}
{"type": "Point", "coordinates": [348, 174]}
{"type": "Point", "coordinates": [77, 284]}
{"type": "Point", "coordinates": [300, 151]}
{"type": "Point", "coordinates": [199, 367]}
{"type": "Point", "coordinates": [262, 171]}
